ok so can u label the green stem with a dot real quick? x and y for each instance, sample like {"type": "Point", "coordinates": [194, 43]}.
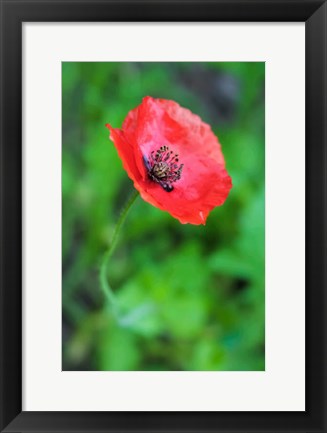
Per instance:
{"type": "Point", "coordinates": [111, 299]}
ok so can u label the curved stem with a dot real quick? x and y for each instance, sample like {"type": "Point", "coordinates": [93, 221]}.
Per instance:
{"type": "Point", "coordinates": [111, 299]}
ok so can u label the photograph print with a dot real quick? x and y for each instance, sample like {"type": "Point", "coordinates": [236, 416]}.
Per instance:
{"type": "Point", "coordinates": [163, 216]}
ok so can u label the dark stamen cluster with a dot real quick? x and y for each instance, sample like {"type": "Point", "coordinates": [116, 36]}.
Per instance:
{"type": "Point", "coordinates": [163, 167]}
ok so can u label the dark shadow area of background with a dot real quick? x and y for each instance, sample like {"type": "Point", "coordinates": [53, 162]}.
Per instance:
{"type": "Point", "coordinates": [194, 296]}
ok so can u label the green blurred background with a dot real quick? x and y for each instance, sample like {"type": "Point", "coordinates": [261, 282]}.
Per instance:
{"type": "Point", "coordinates": [193, 296]}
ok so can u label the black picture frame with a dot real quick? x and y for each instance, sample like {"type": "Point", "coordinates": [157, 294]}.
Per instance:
{"type": "Point", "coordinates": [13, 14]}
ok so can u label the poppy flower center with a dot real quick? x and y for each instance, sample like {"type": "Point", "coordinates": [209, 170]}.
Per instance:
{"type": "Point", "coordinates": [163, 168]}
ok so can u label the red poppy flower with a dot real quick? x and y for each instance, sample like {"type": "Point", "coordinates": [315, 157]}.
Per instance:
{"type": "Point", "coordinates": [173, 158]}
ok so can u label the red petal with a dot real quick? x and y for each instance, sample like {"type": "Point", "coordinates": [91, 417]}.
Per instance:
{"type": "Point", "coordinates": [203, 186]}
{"type": "Point", "coordinates": [193, 131]}
{"type": "Point", "coordinates": [127, 153]}
{"type": "Point", "coordinates": [159, 122]}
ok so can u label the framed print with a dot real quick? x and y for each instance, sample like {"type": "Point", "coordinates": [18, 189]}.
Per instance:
{"type": "Point", "coordinates": [163, 216]}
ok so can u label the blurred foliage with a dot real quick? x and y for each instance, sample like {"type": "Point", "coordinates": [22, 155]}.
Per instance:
{"type": "Point", "coordinates": [193, 296]}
